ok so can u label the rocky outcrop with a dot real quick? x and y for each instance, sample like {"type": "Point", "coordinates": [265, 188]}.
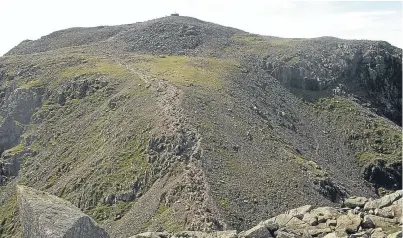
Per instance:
{"type": "Point", "coordinates": [328, 222]}
{"type": "Point", "coordinates": [45, 215]}
{"type": "Point", "coordinates": [17, 107]}
{"type": "Point", "coordinates": [10, 132]}
{"type": "Point", "coordinates": [337, 67]}
{"type": "Point", "coordinates": [384, 174]}
{"type": "Point", "coordinates": [353, 202]}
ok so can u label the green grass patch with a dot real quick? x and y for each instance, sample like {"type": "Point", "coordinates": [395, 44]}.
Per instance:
{"type": "Point", "coordinates": [248, 38]}
{"type": "Point", "coordinates": [161, 209]}
{"type": "Point", "coordinates": [128, 163]}
{"type": "Point", "coordinates": [294, 60]}
{"type": "Point", "coordinates": [101, 67]}
{"type": "Point", "coordinates": [33, 84]}
{"type": "Point", "coordinates": [183, 70]}
{"type": "Point", "coordinates": [309, 165]}
{"type": "Point", "coordinates": [233, 164]}
{"type": "Point", "coordinates": [165, 218]}
{"type": "Point", "coordinates": [9, 220]}
{"type": "Point", "coordinates": [368, 136]}
{"type": "Point", "coordinates": [284, 42]}
{"type": "Point", "coordinates": [225, 204]}
{"type": "Point", "coordinates": [16, 149]}
{"type": "Point", "coordinates": [103, 211]}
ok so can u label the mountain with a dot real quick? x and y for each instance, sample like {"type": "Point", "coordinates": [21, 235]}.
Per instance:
{"type": "Point", "coordinates": [179, 124]}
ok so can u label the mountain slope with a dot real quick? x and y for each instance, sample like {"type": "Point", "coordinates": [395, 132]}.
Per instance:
{"type": "Point", "coordinates": [179, 124]}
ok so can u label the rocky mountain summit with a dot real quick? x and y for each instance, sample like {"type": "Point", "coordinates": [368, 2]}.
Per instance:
{"type": "Point", "coordinates": [176, 124]}
{"type": "Point", "coordinates": [44, 215]}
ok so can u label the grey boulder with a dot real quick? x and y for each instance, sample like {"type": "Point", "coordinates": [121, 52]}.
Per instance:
{"type": "Point", "coordinates": [384, 201]}
{"type": "Point", "coordinates": [45, 215]}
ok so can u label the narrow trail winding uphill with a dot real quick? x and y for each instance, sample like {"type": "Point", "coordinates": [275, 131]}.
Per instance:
{"type": "Point", "coordinates": [183, 188]}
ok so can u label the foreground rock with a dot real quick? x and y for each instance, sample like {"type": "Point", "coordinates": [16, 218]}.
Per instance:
{"type": "Point", "coordinates": [307, 221]}
{"type": "Point", "coordinates": [354, 202]}
{"type": "Point", "coordinates": [384, 201]}
{"type": "Point", "coordinates": [45, 215]}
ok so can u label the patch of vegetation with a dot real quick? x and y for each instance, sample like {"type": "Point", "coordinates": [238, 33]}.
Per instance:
{"type": "Point", "coordinates": [16, 149]}
{"type": "Point", "coordinates": [165, 218]}
{"type": "Point", "coordinates": [206, 124]}
{"type": "Point", "coordinates": [161, 209]}
{"type": "Point", "coordinates": [103, 211]}
{"type": "Point", "coordinates": [336, 104]}
{"type": "Point", "coordinates": [234, 164]}
{"type": "Point", "coordinates": [33, 84]}
{"type": "Point", "coordinates": [248, 38]}
{"type": "Point", "coordinates": [184, 70]}
{"type": "Point", "coordinates": [129, 163]}
{"type": "Point", "coordinates": [96, 66]}
{"type": "Point", "coordinates": [285, 42]}
{"type": "Point", "coordinates": [247, 43]}
{"type": "Point", "coordinates": [378, 139]}
{"type": "Point", "coordinates": [308, 165]}
{"type": "Point", "coordinates": [225, 204]}
{"type": "Point", "coordinates": [294, 60]}
{"type": "Point", "coordinates": [9, 221]}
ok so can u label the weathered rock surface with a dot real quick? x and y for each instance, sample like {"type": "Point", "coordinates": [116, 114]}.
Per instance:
{"type": "Point", "coordinates": [302, 222]}
{"type": "Point", "coordinates": [348, 223]}
{"type": "Point", "coordinates": [397, 234]}
{"type": "Point", "coordinates": [45, 215]}
{"type": "Point", "coordinates": [300, 211]}
{"type": "Point", "coordinates": [257, 231]}
{"type": "Point", "coordinates": [354, 202]}
{"type": "Point", "coordinates": [384, 201]}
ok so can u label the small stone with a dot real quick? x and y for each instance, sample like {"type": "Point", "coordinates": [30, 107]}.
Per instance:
{"type": "Point", "coordinates": [150, 234]}
{"type": "Point", "coordinates": [300, 211]}
{"type": "Point", "coordinates": [285, 234]}
{"type": "Point", "coordinates": [367, 223]}
{"type": "Point", "coordinates": [331, 222]}
{"type": "Point", "coordinates": [259, 231]}
{"type": "Point", "coordinates": [325, 213]}
{"type": "Point", "coordinates": [362, 234]}
{"type": "Point", "coordinates": [224, 234]}
{"type": "Point", "coordinates": [375, 221]}
{"type": "Point", "coordinates": [354, 202]}
{"type": "Point", "coordinates": [317, 230]}
{"type": "Point", "coordinates": [377, 233]}
{"type": "Point", "coordinates": [270, 224]}
{"type": "Point", "coordinates": [296, 224]}
{"type": "Point", "coordinates": [310, 219]}
{"type": "Point", "coordinates": [348, 223]}
{"type": "Point", "coordinates": [283, 219]}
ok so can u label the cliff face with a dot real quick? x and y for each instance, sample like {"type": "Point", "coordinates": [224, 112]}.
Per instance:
{"type": "Point", "coordinates": [179, 124]}
{"type": "Point", "coordinates": [369, 71]}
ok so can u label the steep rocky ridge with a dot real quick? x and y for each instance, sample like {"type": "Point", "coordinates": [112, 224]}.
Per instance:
{"type": "Point", "coordinates": [178, 124]}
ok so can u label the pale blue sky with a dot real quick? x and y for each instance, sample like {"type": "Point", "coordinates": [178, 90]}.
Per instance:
{"type": "Point", "coordinates": [31, 19]}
